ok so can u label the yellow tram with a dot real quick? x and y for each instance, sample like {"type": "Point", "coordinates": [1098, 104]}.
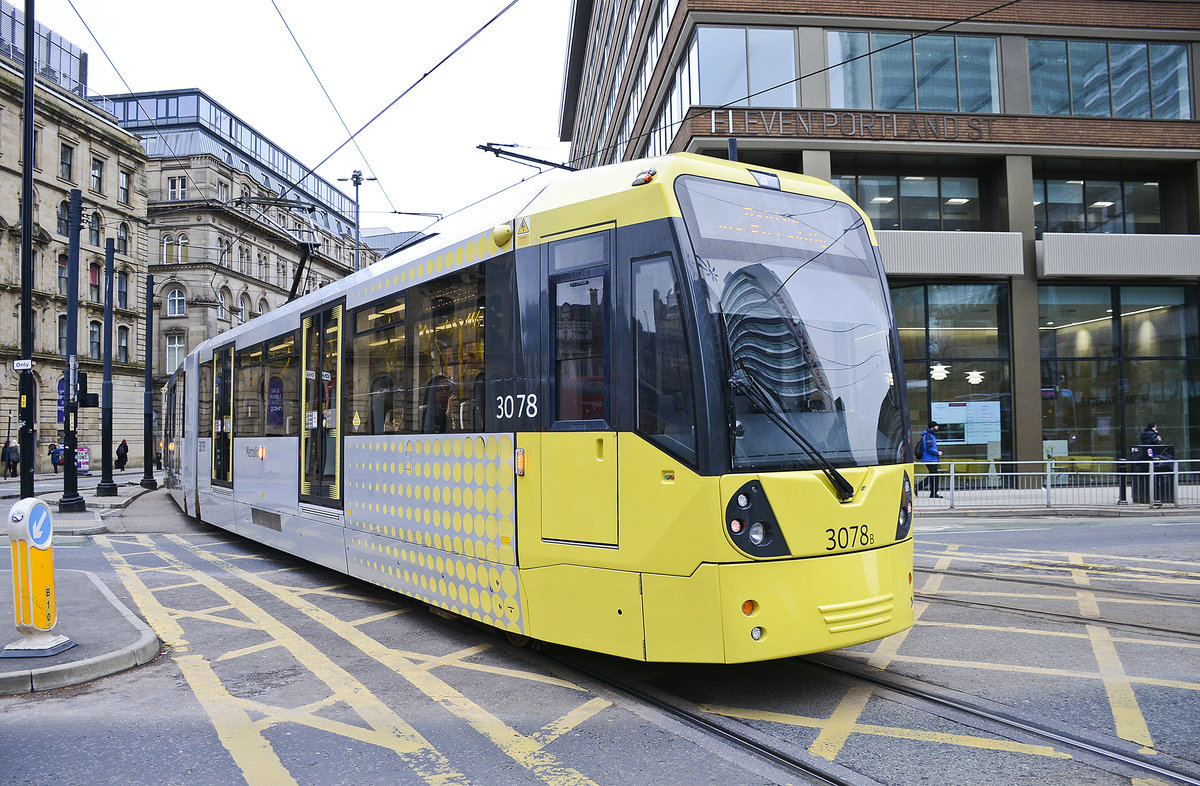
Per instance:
{"type": "Point", "coordinates": [654, 409]}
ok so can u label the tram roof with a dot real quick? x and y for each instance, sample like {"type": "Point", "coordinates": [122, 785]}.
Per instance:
{"type": "Point", "coordinates": [539, 194]}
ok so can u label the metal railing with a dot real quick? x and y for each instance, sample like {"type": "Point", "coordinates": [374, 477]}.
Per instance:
{"type": "Point", "coordinates": [1061, 483]}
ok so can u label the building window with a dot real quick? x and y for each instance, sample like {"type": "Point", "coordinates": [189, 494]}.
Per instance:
{"type": "Point", "coordinates": [745, 66]}
{"type": "Point", "coordinates": [65, 157]}
{"type": "Point", "coordinates": [1122, 207]}
{"type": "Point", "coordinates": [97, 176]}
{"type": "Point", "coordinates": [1133, 339]}
{"type": "Point", "coordinates": [222, 312]}
{"type": "Point", "coordinates": [94, 229]}
{"type": "Point", "coordinates": [183, 249]}
{"type": "Point", "coordinates": [176, 351]}
{"type": "Point", "coordinates": [176, 304]}
{"type": "Point", "coordinates": [94, 282]}
{"type": "Point", "coordinates": [1109, 79]}
{"type": "Point", "coordinates": [176, 188]}
{"type": "Point", "coordinates": [94, 340]}
{"type": "Point", "coordinates": [123, 345]}
{"type": "Point", "coordinates": [123, 239]}
{"type": "Point", "coordinates": [933, 73]}
{"type": "Point", "coordinates": [916, 202]}
{"type": "Point", "coordinates": [222, 191]}
{"type": "Point", "coordinates": [246, 311]}
{"type": "Point", "coordinates": [123, 187]}
{"type": "Point", "coordinates": [954, 339]}
{"type": "Point", "coordinates": [64, 218]}
{"type": "Point", "coordinates": [122, 287]}
{"type": "Point", "coordinates": [62, 274]}
{"type": "Point", "coordinates": [62, 335]}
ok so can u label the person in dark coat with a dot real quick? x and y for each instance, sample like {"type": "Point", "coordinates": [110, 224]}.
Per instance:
{"type": "Point", "coordinates": [1151, 436]}
{"type": "Point", "coordinates": [930, 455]}
{"type": "Point", "coordinates": [55, 456]}
{"type": "Point", "coordinates": [122, 454]}
{"type": "Point", "coordinates": [14, 459]}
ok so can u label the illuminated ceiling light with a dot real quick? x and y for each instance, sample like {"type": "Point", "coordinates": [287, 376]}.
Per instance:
{"type": "Point", "coordinates": [1074, 182]}
{"type": "Point", "coordinates": [881, 200]}
{"type": "Point", "coordinates": [913, 177]}
{"type": "Point", "coordinates": [939, 371]}
{"type": "Point", "coordinates": [957, 201]}
{"type": "Point", "coordinates": [1049, 321]}
{"type": "Point", "coordinates": [1103, 204]}
{"type": "Point", "coordinates": [974, 377]}
{"type": "Point", "coordinates": [1036, 203]}
{"type": "Point", "coordinates": [1152, 185]}
{"type": "Point", "coordinates": [1108, 311]}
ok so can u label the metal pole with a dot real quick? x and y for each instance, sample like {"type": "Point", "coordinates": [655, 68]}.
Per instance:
{"type": "Point", "coordinates": [148, 481]}
{"type": "Point", "coordinates": [71, 500]}
{"type": "Point", "coordinates": [357, 224]}
{"type": "Point", "coordinates": [107, 488]}
{"type": "Point", "coordinates": [25, 418]}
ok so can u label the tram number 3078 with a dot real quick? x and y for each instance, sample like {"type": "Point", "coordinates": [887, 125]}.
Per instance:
{"type": "Point", "coordinates": [849, 537]}
{"type": "Point", "coordinates": [522, 405]}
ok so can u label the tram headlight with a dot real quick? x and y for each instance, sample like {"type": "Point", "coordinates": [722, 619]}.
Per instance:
{"type": "Point", "coordinates": [759, 533]}
{"type": "Point", "coordinates": [742, 500]}
{"type": "Point", "coordinates": [904, 520]}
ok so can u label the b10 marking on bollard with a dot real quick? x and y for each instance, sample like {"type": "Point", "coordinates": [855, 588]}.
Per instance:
{"type": "Point", "coordinates": [31, 530]}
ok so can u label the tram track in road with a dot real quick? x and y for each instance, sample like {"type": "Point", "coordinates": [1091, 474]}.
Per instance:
{"type": "Point", "coordinates": [1072, 618]}
{"type": "Point", "coordinates": [1095, 751]}
{"type": "Point", "coordinates": [973, 574]}
{"type": "Point", "coordinates": [730, 732]}
{"type": "Point", "coordinates": [1077, 619]}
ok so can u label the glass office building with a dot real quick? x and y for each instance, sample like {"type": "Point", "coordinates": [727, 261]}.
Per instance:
{"type": "Point", "coordinates": [1034, 178]}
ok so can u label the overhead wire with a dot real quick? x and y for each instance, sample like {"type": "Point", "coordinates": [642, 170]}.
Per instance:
{"type": "Point", "coordinates": [329, 98]}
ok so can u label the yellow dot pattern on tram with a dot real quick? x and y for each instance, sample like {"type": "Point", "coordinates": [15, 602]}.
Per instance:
{"type": "Point", "coordinates": [433, 517]}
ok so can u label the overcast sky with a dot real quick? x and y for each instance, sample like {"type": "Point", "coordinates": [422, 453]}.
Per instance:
{"type": "Point", "coordinates": [505, 86]}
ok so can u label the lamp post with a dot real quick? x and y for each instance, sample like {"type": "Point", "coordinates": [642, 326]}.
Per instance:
{"type": "Point", "coordinates": [356, 177]}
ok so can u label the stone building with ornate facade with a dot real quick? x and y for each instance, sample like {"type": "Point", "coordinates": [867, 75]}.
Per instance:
{"type": "Point", "coordinates": [230, 213]}
{"type": "Point", "coordinates": [77, 146]}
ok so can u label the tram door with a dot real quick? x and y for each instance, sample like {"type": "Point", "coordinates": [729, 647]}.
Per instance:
{"type": "Point", "coordinates": [320, 439]}
{"type": "Point", "coordinates": [579, 452]}
{"type": "Point", "coordinates": [222, 423]}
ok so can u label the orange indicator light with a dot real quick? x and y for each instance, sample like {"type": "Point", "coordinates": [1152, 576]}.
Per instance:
{"type": "Point", "coordinates": [520, 461]}
{"type": "Point", "coordinates": [749, 607]}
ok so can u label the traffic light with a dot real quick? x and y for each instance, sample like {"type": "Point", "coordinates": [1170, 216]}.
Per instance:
{"type": "Point", "coordinates": [84, 398]}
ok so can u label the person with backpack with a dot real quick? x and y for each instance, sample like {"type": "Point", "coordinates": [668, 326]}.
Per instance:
{"type": "Point", "coordinates": [927, 453]}
{"type": "Point", "coordinates": [55, 456]}
{"type": "Point", "coordinates": [122, 455]}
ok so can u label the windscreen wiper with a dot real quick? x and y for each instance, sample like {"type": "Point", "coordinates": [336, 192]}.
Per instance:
{"type": "Point", "coordinates": [752, 389]}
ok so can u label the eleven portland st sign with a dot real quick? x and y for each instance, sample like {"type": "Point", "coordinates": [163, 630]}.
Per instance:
{"type": "Point", "coordinates": [831, 124]}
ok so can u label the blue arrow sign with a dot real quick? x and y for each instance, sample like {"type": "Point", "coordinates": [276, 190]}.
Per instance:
{"type": "Point", "coordinates": [39, 526]}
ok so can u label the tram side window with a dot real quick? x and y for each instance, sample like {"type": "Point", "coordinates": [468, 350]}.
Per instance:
{"type": "Point", "coordinates": [281, 376]}
{"type": "Point", "coordinates": [205, 412]}
{"type": "Point", "coordinates": [580, 327]}
{"type": "Point", "coordinates": [248, 392]}
{"type": "Point", "coordinates": [446, 356]}
{"type": "Point", "coordinates": [378, 378]}
{"type": "Point", "coordinates": [666, 409]}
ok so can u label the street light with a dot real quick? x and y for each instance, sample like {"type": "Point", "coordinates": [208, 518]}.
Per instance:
{"type": "Point", "coordinates": [356, 177]}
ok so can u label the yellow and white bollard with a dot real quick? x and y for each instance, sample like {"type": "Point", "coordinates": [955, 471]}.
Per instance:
{"type": "Point", "coordinates": [30, 531]}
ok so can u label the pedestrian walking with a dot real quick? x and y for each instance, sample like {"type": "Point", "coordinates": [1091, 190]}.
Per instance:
{"type": "Point", "coordinates": [122, 455]}
{"type": "Point", "coordinates": [14, 459]}
{"type": "Point", "coordinates": [55, 456]}
{"type": "Point", "coordinates": [927, 453]}
{"type": "Point", "coordinates": [4, 456]}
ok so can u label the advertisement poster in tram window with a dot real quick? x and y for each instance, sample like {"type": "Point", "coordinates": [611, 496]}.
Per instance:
{"type": "Point", "coordinates": [275, 402]}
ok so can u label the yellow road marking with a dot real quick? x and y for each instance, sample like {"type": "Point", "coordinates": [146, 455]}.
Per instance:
{"type": "Point", "coordinates": [1025, 669]}
{"type": "Point", "coordinates": [1131, 724]}
{"type": "Point", "coordinates": [377, 617]}
{"type": "Point", "coordinates": [1054, 634]}
{"type": "Point", "coordinates": [963, 740]}
{"type": "Point", "coordinates": [552, 731]}
{"type": "Point", "coordinates": [252, 753]}
{"type": "Point", "coordinates": [454, 658]}
{"type": "Point", "coordinates": [523, 749]}
{"type": "Point", "coordinates": [266, 645]}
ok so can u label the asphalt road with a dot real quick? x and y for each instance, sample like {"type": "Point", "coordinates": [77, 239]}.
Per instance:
{"type": "Point", "coordinates": [276, 671]}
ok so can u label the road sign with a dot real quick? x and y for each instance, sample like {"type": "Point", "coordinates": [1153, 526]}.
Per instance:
{"type": "Point", "coordinates": [24, 364]}
{"type": "Point", "coordinates": [31, 530]}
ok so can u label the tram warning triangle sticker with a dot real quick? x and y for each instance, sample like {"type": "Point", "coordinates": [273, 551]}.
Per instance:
{"type": "Point", "coordinates": [522, 232]}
